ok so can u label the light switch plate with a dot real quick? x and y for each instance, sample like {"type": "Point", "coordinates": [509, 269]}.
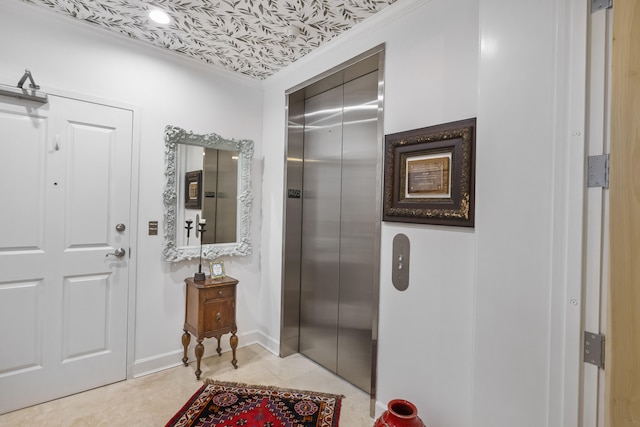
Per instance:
{"type": "Point", "coordinates": [153, 228]}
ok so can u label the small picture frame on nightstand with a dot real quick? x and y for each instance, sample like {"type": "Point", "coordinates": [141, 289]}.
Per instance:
{"type": "Point", "coordinates": [216, 269]}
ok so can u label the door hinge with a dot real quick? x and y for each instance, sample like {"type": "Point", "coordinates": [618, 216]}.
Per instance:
{"type": "Point", "coordinates": [593, 349]}
{"type": "Point", "coordinates": [598, 169]}
{"type": "Point", "coordinates": [597, 5]}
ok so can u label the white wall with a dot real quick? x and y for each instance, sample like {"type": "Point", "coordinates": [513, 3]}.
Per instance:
{"type": "Point", "coordinates": [66, 56]}
{"type": "Point", "coordinates": [522, 214]}
{"type": "Point", "coordinates": [475, 339]}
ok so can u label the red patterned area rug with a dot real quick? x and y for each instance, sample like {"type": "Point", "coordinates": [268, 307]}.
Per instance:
{"type": "Point", "coordinates": [224, 404]}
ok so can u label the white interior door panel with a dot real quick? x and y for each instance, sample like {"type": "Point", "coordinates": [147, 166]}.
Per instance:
{"type": "Point", "coordinates": [66, 173]}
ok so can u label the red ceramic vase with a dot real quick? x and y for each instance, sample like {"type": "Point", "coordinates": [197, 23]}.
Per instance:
{"type": "Point", "coordinates": [399, 413]}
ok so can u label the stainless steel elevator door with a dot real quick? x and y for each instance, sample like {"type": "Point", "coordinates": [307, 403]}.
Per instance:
{"type": "Point", "coordinates": [320, 258]}
{"type": "Point", "coordinates": [358, 227]}
{"type": "Point", "coordinates": [338, 229]}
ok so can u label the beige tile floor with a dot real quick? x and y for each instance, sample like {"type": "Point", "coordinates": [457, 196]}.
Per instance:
{"type": "Point", "coordinates": [153, 399]}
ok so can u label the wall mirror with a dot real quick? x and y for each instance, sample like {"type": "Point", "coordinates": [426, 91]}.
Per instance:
{"type": "Point", "coordinates": [207, 177]}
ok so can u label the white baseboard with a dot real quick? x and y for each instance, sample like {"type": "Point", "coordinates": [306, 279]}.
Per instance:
{"type": "Point", "coordinates": [160, 362]}
{"type": "Point", "coordinates": [269, 343]}
{"type": "Point", "coordinates": [153, 364]}
{"type": "Point", "coordinates": [380, 408]}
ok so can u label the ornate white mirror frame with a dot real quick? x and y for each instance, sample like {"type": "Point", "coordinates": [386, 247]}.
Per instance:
{"type": "Point", "coordinates": [242, 246]}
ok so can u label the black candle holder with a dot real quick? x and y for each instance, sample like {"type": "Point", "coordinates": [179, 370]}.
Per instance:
{"type": "Point", "coordinates": [200, 276]}
{"type": "Point", "coordinates": [189, 227]}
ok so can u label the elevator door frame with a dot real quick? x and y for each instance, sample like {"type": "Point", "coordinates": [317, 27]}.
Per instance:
{"type": "Point", "coordinates": [371, 60]}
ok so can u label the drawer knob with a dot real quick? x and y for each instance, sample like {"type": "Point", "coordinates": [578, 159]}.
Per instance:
{"type": "Point", "coordinates": [219, 317]}
{"type": "Point", "coordinates": [219, 292]}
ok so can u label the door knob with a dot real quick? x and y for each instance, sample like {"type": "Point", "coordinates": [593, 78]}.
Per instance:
{"type": "Point", "coordinates": [120, 227]}
{"type": "Point", "coordinates": [119, 253]}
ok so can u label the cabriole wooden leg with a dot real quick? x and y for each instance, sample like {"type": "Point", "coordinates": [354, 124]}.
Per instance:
{"type": "Point", "coordinates": [186, 339]}
{"type": "Point", "coordinates": [233, 341]}
{"type": "Point", "coordinates": [199, 353]}
{"type": "Point", "coordinates": [219, 349]}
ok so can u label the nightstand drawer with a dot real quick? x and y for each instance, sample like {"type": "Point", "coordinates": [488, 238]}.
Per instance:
{"type": "Point", "coordinates": [218, 292]}
{"type": "Point", "coordinates": [219, 314]}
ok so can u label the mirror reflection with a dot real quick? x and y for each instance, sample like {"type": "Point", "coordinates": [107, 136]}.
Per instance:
{"type": "Point", "coordinates": [209, 189]}
{"type": "Point", "coordinates": [219, 187]}
{"type": "Point", "coordinates": [208, 178]}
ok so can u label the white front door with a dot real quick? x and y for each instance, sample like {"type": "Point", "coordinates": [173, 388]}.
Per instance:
{"type": "Point", "coordinates": [65, 184]}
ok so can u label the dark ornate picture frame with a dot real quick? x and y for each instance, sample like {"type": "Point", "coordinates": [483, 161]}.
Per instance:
{"type": "Point", "coordinates": [193, 190]}
{"type": "Point", "coordinates": [429, 175]}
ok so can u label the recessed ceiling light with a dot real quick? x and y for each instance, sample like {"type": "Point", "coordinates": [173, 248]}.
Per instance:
{"type": "Point", "coordinates": [159, 16]}
{"type": "Point", "coordinates": [292, 33]}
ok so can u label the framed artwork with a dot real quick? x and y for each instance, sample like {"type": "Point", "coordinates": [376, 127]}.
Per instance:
{"type": "Point", "coordinates": [429, 175]}
{"type": "Point", "coordinates": [216, 269]}
{"type": "Point", "coordinates": [193, 190]}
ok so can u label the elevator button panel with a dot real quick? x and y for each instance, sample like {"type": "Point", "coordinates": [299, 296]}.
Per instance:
{"type": "Point", "coordinates": [400, 262]}
{"type": "Point", "coordinates": [294, 193]}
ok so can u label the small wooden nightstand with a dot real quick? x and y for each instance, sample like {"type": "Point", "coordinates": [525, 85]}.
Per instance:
{"type": "Point", "coordinates": [210, 312]}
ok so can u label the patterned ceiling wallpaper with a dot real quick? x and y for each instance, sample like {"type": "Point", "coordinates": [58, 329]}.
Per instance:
{"type": "Point", "coordinates": [245, 36]}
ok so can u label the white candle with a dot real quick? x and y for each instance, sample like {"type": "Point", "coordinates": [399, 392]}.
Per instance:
{"type": "Point", "coordinates": [203, 221]}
